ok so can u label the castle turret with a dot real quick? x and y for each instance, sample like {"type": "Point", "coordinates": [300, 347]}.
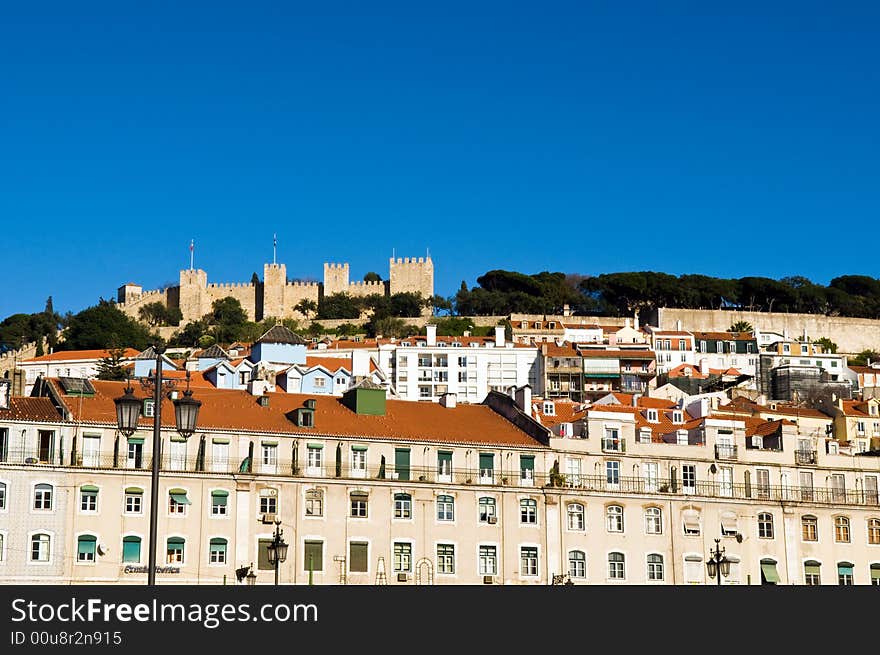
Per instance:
{"type": "Point", "coordinates": [274, 283]}
{"type": "Point", "coordinates": [335, 279]}
{"type": "Point", "coordinates": [411, 275]}
{"type": "Point", "coordinates": [193, 294]}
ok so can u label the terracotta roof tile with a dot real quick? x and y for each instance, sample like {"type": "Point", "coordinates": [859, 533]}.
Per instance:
{"type": "Point", "coordinates": [30, 409]}
{"type": "Point", "coordinates": [76, 355]}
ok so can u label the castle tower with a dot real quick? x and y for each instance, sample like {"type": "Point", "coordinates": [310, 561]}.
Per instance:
{"type": "Point", "coordinates": [274, 283]}
{"type": "Point", "coordinates": [128, 292]}
{"type": "Point", "coordinates": [411, 275]}
{"type": "Point", "coordinates": [194, 302]}
{"type": "Point", "coordinates": [335, 279]}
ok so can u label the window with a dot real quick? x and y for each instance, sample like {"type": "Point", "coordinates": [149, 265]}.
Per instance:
{"type": "Point", "coordinates": [526, 469]}
{"type": "Point", "coordinates": [650, 474]}
{"type": "Point", "coordinates": [838, 487]}
{"type": "Point", "coordinates": [402, 506]}
{"type": "Point", "coordinates": [677, 417]}
{"type": "Point", "coordinates": [612, 473]}
{"type": "Point", "coordinates": [689, 478]}
{"type": "Point", "coordinates": [269, 458]}
{"type": "Point", "coordinates": [91, 450]}
{"type": "Point", "coordinates": [691, 521]}
{"type": "Point", "coordinates": [177, 501]}
{"type": "Point", "coordinates": [844, 573]}
{"type": "Point", "coordinates": [528, 511]}
{"type": "Point", "coordinates": [655, 567]}
{"type": "Point", "coordinates": [611, 440]}
{"type": "Point", "coordinates": [401, 463]}
{"type": "Point", "coordinates": [809, 528]}
{"type": "Point", "coordinates": [444, 465]}
{"type": "Point", "coordinates": [841, 529]}
{"type": "Point", "coordinates": [357, 557]}
{"type": "Point", "coordinates": [2, 495]}
{"type": "Point", "coordinates": [487, 510]}
{"type": "Point", "coordinates": [875, 575]}
{"type": "Point", "coordinates": [812, 575]}
{"type": "Point", "coordinates": [358, 504]}
{"type": "Point", "coordinates": [653, 520]}
{"type": "Point", "coordinates": [131, 549]}
{"type": "Point", "coordinates": [263, 555]}
{"type": "Point", "coordinates": [728, 524]}
{"type": "Point", "coordinates": [85, 549]}
{"type": "Point", "coordinates": [313, 555]}
{"type": "Point", "coordinates": [320, 382]}
{"type": "Point", "coordinates": [528, 560]}
{"type": "Point", "coordinates": [135, 455]}
{"type": "Point", "coordinates": [177, 454]}
{"type": "Point", "coordinates": [644, 435]}
{"type": "Point", "coordinates": [314, 458]}
{"type": "Point", "coordinates": [725, 481]}
{"type": "Point", "coordinates": [40, 547]}
{"type": "Point", "coordinates": [549, 408]}
{"type": "Point", "coordinates": [614, 518]}
{"type": "Point", "coordinates": [88, 498]}
{"type": "Point", "coordinates": [575, 516]}
{"type": "Point", "coordinates": [217, 551]}
{"type": "Point", "coordinates": [616, 566]}
{"type": "Point", "coordinates": [765, 525]}
{"type": "Point", "coordinates": [175, 550]}
{"type": "Point", "coordinates": [488, 560]}
{"type": "Point", "coordinates": [652, 415]}
{"type": "Point", "coordinates": [358, 461]}
{"type": "Point", "coordinates": [693, 569]}
{"type": "Point", "coordinates": [402, 557]}
{"type": "Point", "coordinates": [874, 531]}
{"type": "Point", "coordinates": [424, 391]}
{"type": "Point", "coordinates": [314, 502]}
{"type": "Point", "coordinates": [268, 501]}
{"type": "Point", "coordinates": [806, 480]}
{"type": "Point", "coordinates": [134, 500]}
{"type": "Point", "coordinates": [487, 467]}
{"type": "Point", "coordinates": [43, 497]}
{"type": "Point", "coordinates": [577, 564]}
{"type": "Point", "coordinates": [219, 456]}
{"type": "Point", "coordinates": [445, 508]}
{"type": "Point", "coordinates": [446, 559]}
{"type": "Point", "coordinates": [219, 498]}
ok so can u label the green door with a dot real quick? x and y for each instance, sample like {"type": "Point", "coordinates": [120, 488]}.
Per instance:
{"type": "Point", "coordinates": [401, 463]}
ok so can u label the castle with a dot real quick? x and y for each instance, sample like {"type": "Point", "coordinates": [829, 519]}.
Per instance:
{"type": "Point", "coordinates": [275, 296]}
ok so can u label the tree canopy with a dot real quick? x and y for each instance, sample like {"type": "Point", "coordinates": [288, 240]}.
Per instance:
{"type": "Point", "coordinates": [104, 326]}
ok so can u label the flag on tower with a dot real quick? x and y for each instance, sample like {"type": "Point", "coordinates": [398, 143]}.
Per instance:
{"type": "Point", "coordinates": [192, 246]}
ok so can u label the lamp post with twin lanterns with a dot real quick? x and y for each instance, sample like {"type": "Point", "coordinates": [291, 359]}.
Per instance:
{"type": "Point", "coordinates": [128, 411]}
{"type": "Point", "coordinates": [718, 564]}
{"type": "Point", "coordinates": [277, 550]}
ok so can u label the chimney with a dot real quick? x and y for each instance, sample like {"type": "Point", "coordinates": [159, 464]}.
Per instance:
{"type": "Point", "coordinates": [636, 397]}
{"type": "Point", "coordinates": [499, 336]}
{"type": "Point", "coordinates": [260, 387]}
{"type": "Point", "coordinates": [448, 400]}
{"type": "Point", "coordinates": [566, 310]}
{"type": "Point", "coordinates": [523, 399]}
{"type": "Point", "coordinates": [678, 325]}
{"type": "Point", "coordinates": [431, 330]}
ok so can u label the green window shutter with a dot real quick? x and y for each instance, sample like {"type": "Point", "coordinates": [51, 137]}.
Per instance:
{"type": "Point", "coordinates": [527, 462]}
{"type": "Point", "coordinates": [875, 571]}
{"type": "Point", "coordinates": [219, 497]}
{"type": "Point", "coordinates": [845, 568]}
{"type": "Point", "coordinates": [177, 438]}
{"type": "Point", "coordinates": [357, 561]}
{"type": "Point", "coordinates": [179, 496]}
{"type": "Point", "coordinates": [269, 443]}
{"type": "Point", "coordinates": [313, 556]}
{"type": "Point", "coordinates": [89, 489]}
{"type": "Point", "coordinates": [444, 456]}
{"type": "Point", "coordinates": [316, 445]}
{"type": "Point", "coordinates": [176, 541]}
{"type": "Point", "coordinates": [131, 549]}
{"type": "Point", "coordinates": [401, 463]}
{"type": "Point", "coordinates": [359, 448]}
{"type": "Point", "coordinates": [811, 569]}
{"type": "Point", "coordinates": [134, 490]}
{"type": "Point", "coordinates": [263, 555]}
{"type": "Point", "coordinates": [769, 571]}
{"type": "Point", "coordinates": [138, 440]}
{"type": "Point", "coordinates": [487, 461]}
{"type": "Point", "coordinates": [86, 544]}
{"type": "Point", "coordinates": [216, 440]}
{"type": "Point", "coordinates": [218, 541]}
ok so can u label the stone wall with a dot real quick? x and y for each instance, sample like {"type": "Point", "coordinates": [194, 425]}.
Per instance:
{"type": "Point", "coordinates": [852, 335]}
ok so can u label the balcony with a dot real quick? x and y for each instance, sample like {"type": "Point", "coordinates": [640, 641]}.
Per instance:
{"type": "Point", "coordinates": [726, 452]}
{"type": "Point", "coordinates": [805, 457]}
{"type": "Point", "coordinates": [610, 445]}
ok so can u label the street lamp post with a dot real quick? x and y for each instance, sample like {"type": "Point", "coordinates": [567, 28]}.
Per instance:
{"type": "Point", "coordinates": [277, 550]}
{"type": "Point", "coordinates": [718, 564]}
{"type": "Point", "coordinates": [128, 410]}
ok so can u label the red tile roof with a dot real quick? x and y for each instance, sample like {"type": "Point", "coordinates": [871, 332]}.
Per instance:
{"type": "Point", "coordinates": [197, 379]}
{"type": "Point", "coordinates": [78, 355]}
{"type": "Point", "coordinates": [226, 409]}
{"type": "Point", "coordinates": [565, 411]}
{"type": "Point", "coordinates": [31, 409]}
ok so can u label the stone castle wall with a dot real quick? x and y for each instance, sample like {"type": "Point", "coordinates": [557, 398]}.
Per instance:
{"type": "Point", "coordinates": [275, 296]}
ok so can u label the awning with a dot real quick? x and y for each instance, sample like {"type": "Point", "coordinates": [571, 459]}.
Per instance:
{"type": "Point", "coordinates": [527, 462]}
{"type": "Point", "coordinates": [359, 449]}
{"type": "Point", "coordinates": [136, 440]}
{"type": "Point", "coordinates": [811, 567]}
{"type": "Point", "coordinates": [221, 441]}
{"type": "Point", "coordinates": [178, 438]}
{"type": "Point", "coordinates": [768, 569]}
{"type": "Point", "coordinates": [691, 518]}
{"type": "Point", "coordinates": [218, 497]}
{"type": "Point", "coordinates": [693, 558]}
{"type": "Point", "coordinates": [179, 496]}
{"type": "Point", "coordinates": [875, 572]}
{"type": "Point", "coordinates": [728, 522]}
{"type": "Point", "coordinates": [487, 461]}
{"type": "Point", "coordinates": [269, 443]}
{"type": "Point", "coordinates": [134, 490]}
{"type": "Point", "coordinates": [89, 489]}
{"type": "Point", "coordinates": [218, 541]}
{"type": "Point", "coordinates": [316, 445]}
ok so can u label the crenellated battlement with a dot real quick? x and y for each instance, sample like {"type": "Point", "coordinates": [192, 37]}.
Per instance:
{"type": "Point", "coordinates": [303, 284]}
{"type": "Point", "coordinates": [231, 285]}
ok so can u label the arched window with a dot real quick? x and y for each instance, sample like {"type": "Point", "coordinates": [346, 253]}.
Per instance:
{"type": "Point", "coordinates": [655, 567]}
{"type": "Point", "coordinates": [217, 551]}
{"type": "Point", "coordinates": [809, 528]}
{"type": "Point", "coordinates": [845, 573]}
{"type": "Point", "coordinates": [40, 547]}
{"type": "Point", "coordinates": [445, 508]}
{"type": "Point", "coordinates": [577, 564]}
{"type": "Point", "coordinates": [85, 548]}
{"type": "Point", "coordinates": [402, 506]}
{"type": "Point", "coordinates": [528, 511]}
{"type": "Point", "coordinates": [177, 501]}
{"type": "Point", "coordinates": [614, 518]}
{"type": "Point", "coordinates": [487, 510]}
{"type": "Point", "coordinates": [765, 525]}
{"type": "Point", "coordinates": [575, 516]}
{"type": "Point", "coordinates": [175, 550]}
{"type": "Point", "coordinates": [812, 573]}
{"type": "Point", "coordinates": [874, 531]}
{"type": "Point", "coordinates": [875, 575]}
{"type": "Point", "coordinates": [616, 566]}
{"type": "Point", "coordinates": [841, 529]}
{"type": "Point", "coordinates": [653, 520]}
{"type": "Point", "coordinates": [43, 496]}
{"type": "Point", "coordinates": [131, 549]}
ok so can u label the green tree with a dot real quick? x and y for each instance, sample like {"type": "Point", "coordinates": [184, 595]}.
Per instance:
{"type": "Point", "coordinates": [338, 305]}
{"type": "Point", "coordinates": [315, 329]}
{"type": "Point", "coordinates": [454, 326]}
{"type": "Point", "coordinates": [104, 325]}
{"type": "Point", "coordinates": [406, 304]}
{"type": "Point", "coordinates": [306, 307]}
{"type": "Point", "coordinates": [190, 335]}
{"type": "Point", "coordinates": [741, 326]}
{"type": "Point", "coordinates": [827, 344]}
{"type": "Point", "coordinates": [228, 320]}
{"type": "Point", "coordinates": [112, 367]}
{"type": "Point", "coordinates": [389, 326]}
{"type": "Point", "coordinates": [348, 330]}
{"type": "Point", "coordinates": [154, 314]}
{"type": "Point", "coordinates": [372, 277]}
{"type": "Point", "coordinates": [864, 358]}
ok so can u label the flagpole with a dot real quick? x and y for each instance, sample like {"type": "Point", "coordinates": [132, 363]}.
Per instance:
{"type": "Point", "coordinates": [274, 245]}
{"type": "Point", "coordinates": [192, 244]}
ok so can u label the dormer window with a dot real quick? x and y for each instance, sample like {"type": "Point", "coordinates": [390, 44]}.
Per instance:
{"type": "Point", "coordinates": [757, 441]}
{"type": "Point", "coordinates": [549, 409]}
{"type": "Point", "coordinates": [149, 408]}
{"type": "Point", "coordinates": [405, 344]}
{"type": "Point", "coordinates": [652, 415]}
{"type": "Point", "coordinates": [552, 325]}
{"type": "Point", "coordinates": [677, 417]}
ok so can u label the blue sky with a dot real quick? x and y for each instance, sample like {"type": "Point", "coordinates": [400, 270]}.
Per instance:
{"type": "Point", "coordinates": [573, 136]}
